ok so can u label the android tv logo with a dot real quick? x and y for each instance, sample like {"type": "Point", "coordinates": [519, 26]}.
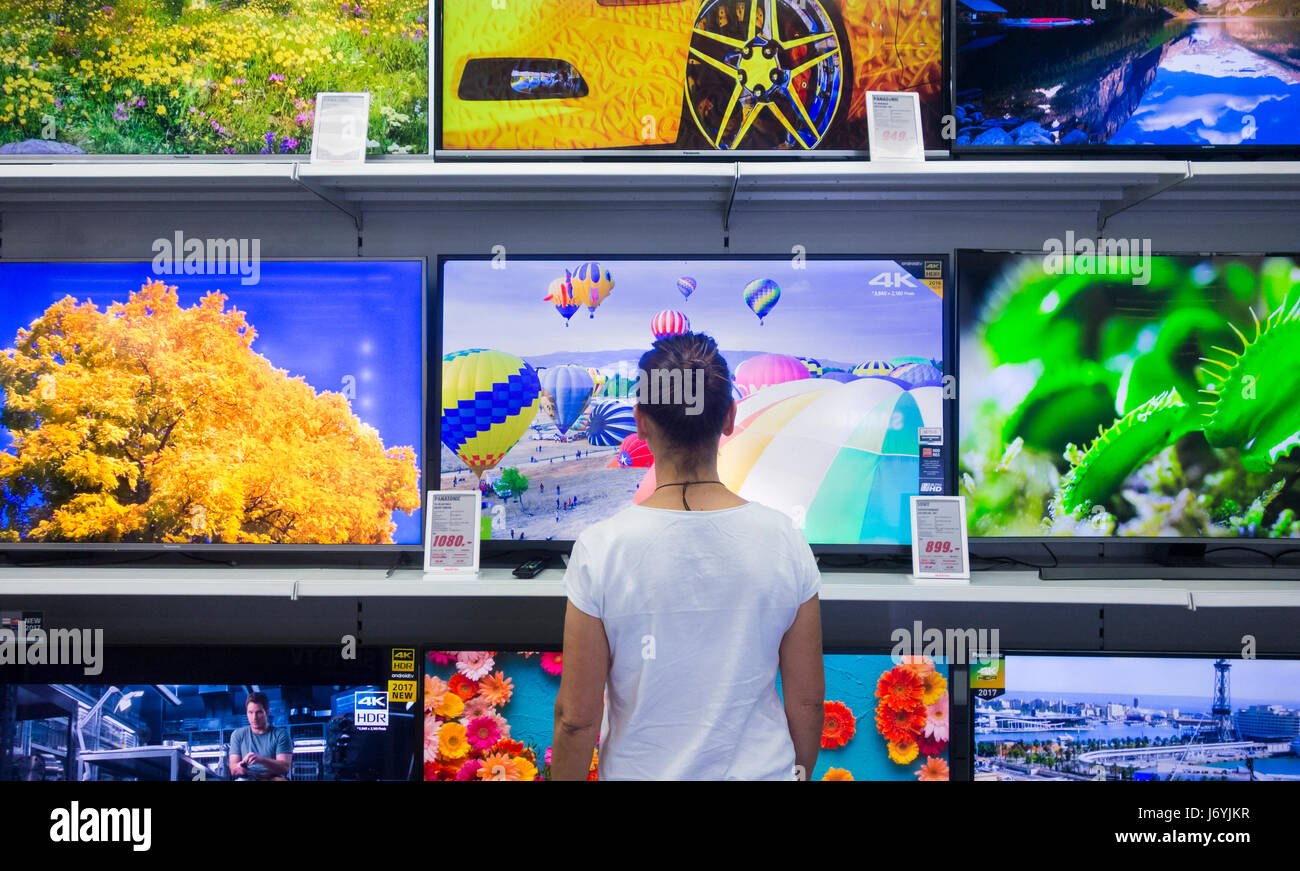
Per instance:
{"type": "Point", "coordinates": [370, 710]}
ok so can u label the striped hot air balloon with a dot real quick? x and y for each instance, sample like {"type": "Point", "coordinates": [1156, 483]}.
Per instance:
{"type": "Point", "coordinates": [565, 392]}
{"type": "Point", "coordinates": [591, 285]}
{"type": "Point", "coordinates": [768, 369]}
{"type": "Point", "coordinates": [839, 458]}
{"type": "Point", "coordinates": [669, 323]}
{"type": "Point", "coordinates": [873, 367]}
{"type": "Point", "coordinates": [917, 375]}
{"type": "Point", "coordinates": [814, 368]}
{"type": "Point", "coordinates": [488, 400]}
{"type": "Point", "coordinates": [609, 422]}
{"type": "Point", "coordinates": [560, 294]}
{"type": "Point", "coordinates": [633, 453]}
{"type": "Point", "coordinates": [686, 285]}
{"type": "Point", "coordinates": [761, 295]}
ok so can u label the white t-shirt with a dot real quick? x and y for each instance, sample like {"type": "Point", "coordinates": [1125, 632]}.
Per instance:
{"type": "Point", "coordinates": [695, 604]}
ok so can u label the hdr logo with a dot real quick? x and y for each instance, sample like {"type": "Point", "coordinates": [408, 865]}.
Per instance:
{"type": "Point", "coordinates": [370, 709]}
{"type": "Point", "coordinates": [404, 660]}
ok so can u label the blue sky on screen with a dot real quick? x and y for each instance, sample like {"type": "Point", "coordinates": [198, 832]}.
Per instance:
{"type": "Point", "coordinates": [1277, 681]}
{"type": "Point", "coordinates": [322, 320]}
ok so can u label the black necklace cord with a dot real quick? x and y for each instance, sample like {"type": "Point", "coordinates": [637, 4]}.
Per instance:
{"type": "Point", "coordinates": [684, 485]}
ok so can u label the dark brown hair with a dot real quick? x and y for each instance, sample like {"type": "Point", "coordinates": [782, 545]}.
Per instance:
{"type": "Point", "coordinates": [686, 426]}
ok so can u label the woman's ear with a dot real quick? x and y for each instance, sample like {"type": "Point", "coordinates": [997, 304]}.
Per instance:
{"type": "Point", "coordinates": [730, 423]}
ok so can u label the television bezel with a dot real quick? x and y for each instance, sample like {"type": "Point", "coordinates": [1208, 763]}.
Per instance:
{"type": "Point", "coordinates": [1091, 151]}
{"type": "Point", "coordinates": [1090, 542]}
{"type": "Point", "coordinates": [499, 549]}
{"type": "Point", "coordinates": [654, 153]}
{"type": "Point", "coordinates": [21, 551]}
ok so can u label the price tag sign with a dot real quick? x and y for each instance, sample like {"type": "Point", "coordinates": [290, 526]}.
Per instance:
{"type": "Point", "coordinates": [894, 126]}
{"type": "Point", "coordinates": [451, 531]}
{"type": "Point", "coordinates": [338, 135]}
{"type": "Point", "coordinates": [939, 546]}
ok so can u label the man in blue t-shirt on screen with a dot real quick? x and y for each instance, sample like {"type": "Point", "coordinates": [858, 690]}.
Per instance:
{"type": "Point", "coordinates": [260, 751]}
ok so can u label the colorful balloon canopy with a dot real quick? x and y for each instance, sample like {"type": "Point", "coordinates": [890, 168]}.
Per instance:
{"type": "Point", "coordinates": [686, 285]}
{"type": "Point", "coordinates": [488, 400]}
{"type": "Point", "coordinates": [669, 323]}
{"type": "Point", "coordinates": [766, 370]}
{"type": "Point", "coordinates": [841, 458]}
{"type": "Point", "coordinates": [560, 294]}
{"type": "Point", "coordinates": [633, 453]}
{"type": "Point", "coordinates": [814, 368]}
{"type": "Point", "coordinates": [761, 295]}
{"type": "Point", "coordinates": [591, 285]}
{"type": "Point", "coordinates": [873, 367]}
{"type": "Point", "coordinates": [610, 421]}
{"type": "Point", "coordinates": [839, 375]}
{"type": "Point", "coordinates": [597, 377]}
{"type": "Point", "coordinates": [565, 392]}
{"type": "Point", "coordinates": [917, 375]}
{"type": "Point", "coordinates": [904, 359]}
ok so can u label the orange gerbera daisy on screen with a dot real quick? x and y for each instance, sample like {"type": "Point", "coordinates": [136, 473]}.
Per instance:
{"type": "Point", "coordinates": [933, 769]}
{"type": "Point", "coordinates": [902, 752]}
{"type": "Point", "coordinates": [933, 686]}
{"type": "Point", "coordinates": [527, 770]}
{"type": "Point", "coordinates": [497, 688]}
{"type": "Point", "coordinates": [839, 725]}
{"type": "Point", "coordinates": [918, 665]}
{"type": "Point", "coordinates": [509, 746]}
{"type": "Point", "coordinates": [434, 689]}
{"type": "Point", "coordinates": [498, 766]}
{"type": "Point", "coordinates": [837, 774]}
{"type": "Point", "coordinates": [900, 688]}
{"type": "Point", "coordinates": [462, 686]}
{"type": "Point", "coordinates": [900, 726]}
{"type": "Point", "coordinates": [452, 743]}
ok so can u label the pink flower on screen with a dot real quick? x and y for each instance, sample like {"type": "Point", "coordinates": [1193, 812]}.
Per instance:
{"type": "Point", "coordinates": [936, 719]}
{"type": "Point", "coordinates": [474, 663]}
{"type": "Point", "coordinates": [553, 663]}
{"type": "Point", "coordinates": [482, 733]}
{"type": "Point", "coordinates": [478, 707]}
{"type": "Point", "coordinates": [469, 771]}
{"type": "Point", "coordinates": [441, 657]}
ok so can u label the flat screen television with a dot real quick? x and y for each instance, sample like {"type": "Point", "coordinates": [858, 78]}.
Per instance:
{"type": "Point", "coordinates": [1052, 76]}
{"type": "Point", "coordinates": [836, 362]}
{"type": "Point", "coordinates": [201, 77]}
{"type": "Point", "coordinates": [182, 716]}
{"type": "Point", "coordinates": [1128, 398]}
{"type": "Point", "coordinates": [1138, 718]}
{"type": "Point", "coordinates": [270, 404]}
{"type": "Point", "coordinates": [507, 704]}
{"type": "Point", "coordinates": [694, 76]}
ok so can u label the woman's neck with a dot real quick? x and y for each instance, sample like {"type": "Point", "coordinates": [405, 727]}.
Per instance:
{"type": "Point", "coordinates": [704, 492]}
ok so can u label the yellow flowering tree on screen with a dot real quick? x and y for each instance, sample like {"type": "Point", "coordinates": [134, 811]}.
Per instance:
{"type": "Point", "coordinates": [149, 422]}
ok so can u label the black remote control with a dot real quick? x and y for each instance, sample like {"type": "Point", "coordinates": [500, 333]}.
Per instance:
{"type": "Point", "coordinates": [530, 568]}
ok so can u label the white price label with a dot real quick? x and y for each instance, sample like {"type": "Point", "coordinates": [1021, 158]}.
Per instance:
{"type": "Point", "coordinates": [894, 126]}
{"type": "Point", "coordinates": [939, 543]}
{"type": "Point", "coordinates": [451, 531]}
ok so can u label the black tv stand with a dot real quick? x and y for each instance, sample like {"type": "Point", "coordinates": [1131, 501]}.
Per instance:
{"type": "Point", "coordinates": [1171, 562]}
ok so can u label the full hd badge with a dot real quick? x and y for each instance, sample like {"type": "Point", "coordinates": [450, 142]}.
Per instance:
{"type": "Point", "coordinates": [370, 710]}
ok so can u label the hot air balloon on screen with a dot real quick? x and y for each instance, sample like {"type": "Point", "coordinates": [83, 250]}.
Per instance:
{"type": "Point", "coordinates": [873, 367]}
{"type": "Point", "coordinates": [565, 392]}
{"type": "Point", "coordinates": [633, 453]}
{"type": "Point", "coordinates": [686, 285]}
{"type": "Point", "coordinates": [814, 368]}
{"type": "Point", "coordinates": [766, 370]}
{"type": "Point", "coordinates": [840, 458]}
{"type": "Point", "coordinates": [560, 294]}
{"type": "Point", "coordinates": [591, 285]}
{"type": "Point", "coordinates": [597, 377]}
{"type": "Point", "coordinates": [609, 423]}
{"type": "Point", "coordinates": [761, 295]}
{"type": "Point", "coordinates": [838, 375]}
{"type": "Point", "coordinates": [617, 385]}
{"type": "Point", "coordinates": [917, 375]}
{"type": "Point", "coordinates": [669, 323]}
{"type": "Point", "coordinates": [488, 400]}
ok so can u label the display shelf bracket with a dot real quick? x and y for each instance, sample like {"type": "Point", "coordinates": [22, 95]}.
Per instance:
{"type": "Point", "coordinates": [731, 204]}
{"type": "Point", "coordinates": [329, 196]}
{"type": "Point", "coordinates": [1138, 194]}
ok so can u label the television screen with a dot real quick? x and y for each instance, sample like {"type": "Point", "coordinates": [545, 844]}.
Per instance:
{"type": "Point", "coordinates": [836, 366]}
{"type": "Point", "coordinates": [738, 75]}
{"type": "Point", "coordinates": [206, 77]}
{"type": "Point", "coordinates": [1139, 718]}
{"type": "Point", "coordinates": [274, 403]}
{"type": "Point", "coordinates": [1128, 396]}
{"type": "Point", "coordinates": [1126, 73]}
{"type": "Point", "coordinates": [490, 715]}
{"type": "Point", "coordinates": [189, 732]}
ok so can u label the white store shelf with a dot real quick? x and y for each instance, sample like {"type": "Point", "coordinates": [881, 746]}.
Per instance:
{"type": "Point", "coordinates": [985, 587]}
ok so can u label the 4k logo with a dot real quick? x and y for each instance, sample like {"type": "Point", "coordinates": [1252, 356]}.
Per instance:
{"type": "Point", "coordinates": [371, 709]}
{"type": "Point", "coordinates": [404, 660]}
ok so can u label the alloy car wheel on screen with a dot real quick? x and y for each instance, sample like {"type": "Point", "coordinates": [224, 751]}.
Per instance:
{"type": "Point", "coordinates": [765, 74]}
